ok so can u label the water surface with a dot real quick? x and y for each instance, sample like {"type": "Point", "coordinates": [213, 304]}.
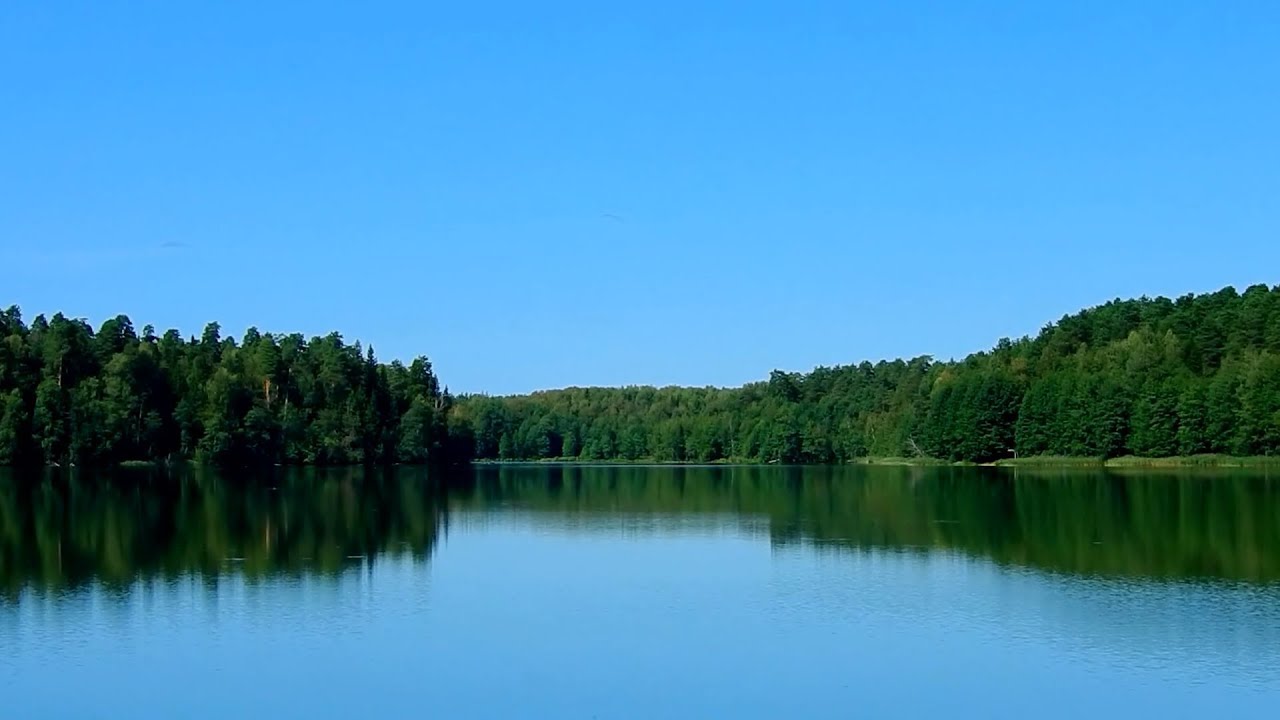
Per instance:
{"type": "Point", "coordinates": [612, 592]}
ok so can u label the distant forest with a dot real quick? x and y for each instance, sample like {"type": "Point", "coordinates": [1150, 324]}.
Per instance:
{"type": "Point", "coordinates": [1147, 377]}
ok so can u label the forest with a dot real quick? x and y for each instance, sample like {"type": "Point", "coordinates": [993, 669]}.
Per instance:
{"type": "Point", "coordinates": [1146, 377]}
{"type": "Point", "coordinates": [73, 395]}
{"type": "Point", "coordinates": [1151, 377]}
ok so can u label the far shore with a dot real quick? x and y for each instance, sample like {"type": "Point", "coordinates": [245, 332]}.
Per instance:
{"type": "Point", "coordinates": [1046, 461]}
{"type": "Point", "coordinates": [1188, 461]}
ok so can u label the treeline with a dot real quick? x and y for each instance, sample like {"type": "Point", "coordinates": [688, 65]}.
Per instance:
{"type": "Point", "coordinates": [73, 395]}
{"type": "Point", "coordinates": [1149, 377]}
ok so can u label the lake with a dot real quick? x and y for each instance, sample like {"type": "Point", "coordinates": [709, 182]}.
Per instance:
{"type": "Point", "coordinates": [640, 592]}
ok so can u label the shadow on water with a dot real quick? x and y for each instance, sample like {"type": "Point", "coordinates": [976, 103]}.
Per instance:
{"type": "Point", "coordinates": [60, 531]}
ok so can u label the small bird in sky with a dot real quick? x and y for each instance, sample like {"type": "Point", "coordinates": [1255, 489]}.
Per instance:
{"type": "Point", "coordinates": [615, 218]}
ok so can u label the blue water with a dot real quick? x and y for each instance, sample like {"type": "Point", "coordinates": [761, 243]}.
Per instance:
{"type": "Point", "coordinates": [528, 606]}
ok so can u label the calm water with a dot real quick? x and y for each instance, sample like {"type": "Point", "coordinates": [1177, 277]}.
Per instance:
{"type": "Point", "coordinates": [642, 593]}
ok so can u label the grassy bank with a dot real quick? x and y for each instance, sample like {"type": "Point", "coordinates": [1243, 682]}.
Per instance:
{"type": "Point", "coordinates": [902, 461]}
{"type": "Point", "coordinates": [140, 464]}
{"type": "Point", "coordinates": [1052, 461]}
{"type": "Point", "coordinates": [1196, 461]}
{"type": "Point", "coordinates": [1183, 461]}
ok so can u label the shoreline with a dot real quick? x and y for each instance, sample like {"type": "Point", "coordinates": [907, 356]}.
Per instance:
{"type": "Point", "coordinates": [1180, 461]}
{"type": "Point", "coordinates": [1048, 461]}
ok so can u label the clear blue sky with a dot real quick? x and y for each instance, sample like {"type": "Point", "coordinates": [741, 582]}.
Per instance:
{"type": "Point", "coordinates": [795, 183]}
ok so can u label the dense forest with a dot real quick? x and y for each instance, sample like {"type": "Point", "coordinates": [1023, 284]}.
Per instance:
{"type": "Point", "coordinates": [1147, 377]}
{"type": "Point", "coordinates": [70, 395]}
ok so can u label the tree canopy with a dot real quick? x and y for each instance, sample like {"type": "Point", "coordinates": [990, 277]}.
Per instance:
{"type": "Point", "coordinates": [72, 395]}
{"type": "Point", "coordinates": [1149, 377]}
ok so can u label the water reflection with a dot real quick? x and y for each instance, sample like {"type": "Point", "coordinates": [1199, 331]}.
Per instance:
{"type": "Point", "coordinates": [61, 531]}
{"type": "Point", "coordinates": [1202, 524]}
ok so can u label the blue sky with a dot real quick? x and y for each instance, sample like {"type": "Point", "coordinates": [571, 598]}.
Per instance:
{"type": "Point", "coordinates": [543, 194]}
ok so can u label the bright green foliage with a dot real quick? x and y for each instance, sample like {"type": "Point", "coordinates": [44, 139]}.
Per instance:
{"type": "Point", "coordinates": [1152, 377]}
{"type": "Point", "coordinates": [69, 394]}
{"type": "Point", "coordinates": [973, 415]}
